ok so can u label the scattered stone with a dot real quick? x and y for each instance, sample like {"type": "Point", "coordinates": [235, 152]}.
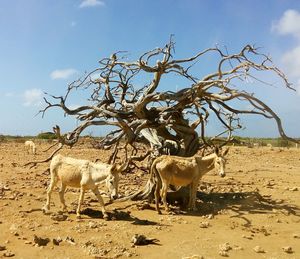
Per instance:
{"type": "Point", "coordinates": [13, 228]}
{"type": "Point", "coordinates": [235, 247]}
{"type": "Point", "coordinates": [287, 249]}
{"type": "Point", "coordinates": [223, 253]}
{"type": "Point", "coordinates": [294, 189]}
{"type": "Point", "coordinates": [56, 241]}
{"type": "Point", "coordinates": [92, 224]}
{"type": "Point", "coordinates": [92, 249]}
{"type": "Point", "coordinates": [128, 254]}
{"type": "Point", "coordinates": [210, 216]}
{"type": "Point", "coordinates": [259, 249]}
{"type": "Point", "coordinates": [296, 235]}
{"type": "Point", "coordinates": [70, 240]}
{"type": "Point", "coordinates": [204, 224]}
{"type": "Point", "coordinates": [141, 240]}
{"type": "Point", "coordinates": [40, 241]}
{"type": "Point", "coordinates": [58, 217]}
{"type": "Point", "coordinates": [247, 237]}
{"type": "Point", "coordinates": [2, 248]}
{"type": "Point", "coordinates": [8, 254]}
{"type": "Point", "coordinates": [225, 247]}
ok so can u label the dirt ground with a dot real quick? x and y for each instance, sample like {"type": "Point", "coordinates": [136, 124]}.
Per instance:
{"type": "Point", "coordinates": [253, 212]}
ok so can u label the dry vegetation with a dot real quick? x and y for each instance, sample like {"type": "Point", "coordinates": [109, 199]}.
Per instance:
{"type": "Point", "coordinates": [251, 213]}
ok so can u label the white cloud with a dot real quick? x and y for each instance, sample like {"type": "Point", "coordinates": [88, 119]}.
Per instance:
{"type": "Point", "coordinates": [63, 73]}
{"type": "Point", "coordinates": [289, 23]}
{"type": "Point", "coordinates": [33, 97]}
{"type": "Point", "coordinates": [91, 3]}
{"type": "Point", "coordinates": [291, 62]}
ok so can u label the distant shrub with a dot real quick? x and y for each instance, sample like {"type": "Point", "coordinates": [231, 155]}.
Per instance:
{"type": "Point", "coordinates": [283, 143]}
{"type": "Point", "coordinates": [46, 135]}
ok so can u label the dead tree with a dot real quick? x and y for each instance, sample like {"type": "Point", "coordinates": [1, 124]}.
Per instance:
{"type": "Point", "coordinates": [131, 97]}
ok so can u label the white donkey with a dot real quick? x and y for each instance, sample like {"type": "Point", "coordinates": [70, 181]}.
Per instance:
{"type": "Point", "coordinates": [30, 146]}
{"type": "Point", "coordinates": [85, 175]}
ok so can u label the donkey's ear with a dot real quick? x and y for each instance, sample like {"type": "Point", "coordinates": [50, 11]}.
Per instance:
{"type": "Point", "coordinates": [225, 151]}
{"type": "Point", "coordinates": [113, 167]}
{"type": "Point", "coordinates": [217, 150]}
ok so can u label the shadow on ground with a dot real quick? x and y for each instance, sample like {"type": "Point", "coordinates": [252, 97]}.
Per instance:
{"type": "Point", "coordinates": [237, 202]}
{"type": "Point", "coordinates": [241, 202]}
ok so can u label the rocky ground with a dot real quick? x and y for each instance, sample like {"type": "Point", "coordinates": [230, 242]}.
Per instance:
{"type": "Point", "coordinates": [254, 212]}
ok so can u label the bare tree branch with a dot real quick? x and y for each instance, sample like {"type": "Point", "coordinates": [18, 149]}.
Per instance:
{"type": "Point", "coordinates": [129, 96]}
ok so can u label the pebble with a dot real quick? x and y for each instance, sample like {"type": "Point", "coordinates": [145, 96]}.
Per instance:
{"type": "Point", "coordinates": [8, 254]}
{"type": "Point", "coordinates": [223, 253]}
{"type": "Point", "coordinates": [225, 247]}
{"type": "Point", "coordinates": [70, 240]}
{"type": "Point", "coordinates": [287, 249]}
{"type": "Point", "coordinates": [56, 241]}
{"type": "Point", "coordinates": [92, 224]}
{"type": "Point", "coordinates": [259, 249]}
{"type": "Point", "coordinates": [142, 240]}
{"type": "Point", "coordinates": [204, 224]}
{"type": "Point", "coordinates": [128, 254]}
{"type": "Point", "coordinates": [39, 241]}
{"type": "Point", "coordinates": [296, 235]}
{"type": "Point", "coordinates": [58, 217]}
{"type": "Point", "coordinates": [247, 237]}
{"type": "Point", "coordinates": [2, 248]}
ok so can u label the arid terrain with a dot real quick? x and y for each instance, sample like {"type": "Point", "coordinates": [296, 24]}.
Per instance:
{"type": "Point", "coordinates": [253, 212]}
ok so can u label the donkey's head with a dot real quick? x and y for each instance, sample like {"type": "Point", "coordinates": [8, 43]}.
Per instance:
{"type": "Point", "coordinates": [220, 161]}
{"type": "Point", "coordinates": [112, 181]}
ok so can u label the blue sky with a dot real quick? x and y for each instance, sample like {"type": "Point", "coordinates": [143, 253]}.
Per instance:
{"type": "Point", "coordinates": [44, 45]}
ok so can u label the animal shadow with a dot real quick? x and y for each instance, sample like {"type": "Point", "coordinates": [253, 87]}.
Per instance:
{"type": "Point", "coordinates": [117, 215]}
{"type": "Point", "coordinates": [243, 202]}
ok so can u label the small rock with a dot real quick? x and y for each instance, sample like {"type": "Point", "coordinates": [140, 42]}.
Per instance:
{"type": "Point", "coordinates": [140, 240]}
{"type": "Point", "coordinates": [70, 240]}
{"type": "Point", "coordinates": [204, 224]}
{"type": "Point", "coordinates": [247, 237]}
{"type": "Point", "coordinates": [58, 217]}
{"type": "Point", "coordinates": [40, 241]}
{"type": "Point", "coordinates": [92, 224]}
{"type": "Point", "coordinates": [2, 248]}
{"type": "Point", "coordinates": [8, 254]}
{"type": "Point", "coordinates": [225, 247]}
{"type": "Point", "coordinates": [128, 254]}
{"type": "Point", "coordinates": [223, 253]}
{"type": "Point", "coordinates": [56, 241]}
{"type": "Point", "coordinates": [238, 247]}
{"type": "Point", "coordinates": [293, 189]}
{"type": "Point", "coordinates": [210, 216]}
{"type": "Point", "coordinates": [288, 249]}
{"type": "Point", "coordinates": [296, 235]}
{"type": "Point", "coordinates": [13, 228]}
{"type": "Point", "coordinates": [259, 249]}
